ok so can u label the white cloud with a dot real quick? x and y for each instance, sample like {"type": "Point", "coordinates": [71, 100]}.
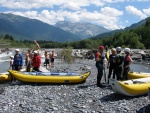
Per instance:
{"type": "Point", "coordinates": [29, 4]}
{"type": "Point", "coordinates": [16, 5]}
{"type": "Point", "coordinates": [2, 1]}
{"type": "Point", "coordinates": [114, 1]}
{"type": "Point", "coordinates": [111, 12]}
{"type": "Point", "coordinates": [72, 6]}
{"type": "Point", "coordinates": [135, 11]}
{"type": "Point", "coordinates": [102, 18]}
{"type": "Point", "coordinates": [52, 11]}
{"type": "Point", "coordinates": [30, 14]}
{"type": "Point", "coordinates": [147, 11]}
{"type": "Point", "coordinates": [137, 0]}
{"type": "Point", "coordinates": [97, 2]}
{"type": "Point", "coordinates": [52, 17]}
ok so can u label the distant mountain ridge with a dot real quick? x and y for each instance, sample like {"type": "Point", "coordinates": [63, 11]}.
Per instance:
{"type": "Point", "coordinates": [136, 25]}
{"type": "Point", "coordinates": [84, 30]}
{"type": "Point", "coordinates": [22, 28]}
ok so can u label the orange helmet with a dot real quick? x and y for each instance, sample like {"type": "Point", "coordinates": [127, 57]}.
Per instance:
{"type": "Point", "coordinates": [101, 47]}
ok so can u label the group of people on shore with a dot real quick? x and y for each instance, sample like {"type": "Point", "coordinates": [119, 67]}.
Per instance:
{"type": "Point", "coordinates": [32, 59]}
{"type": "Point", "coordinates": [116, 62]}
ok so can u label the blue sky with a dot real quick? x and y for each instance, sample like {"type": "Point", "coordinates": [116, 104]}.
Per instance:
{"type": "Point", "coordinates": [111, 14]}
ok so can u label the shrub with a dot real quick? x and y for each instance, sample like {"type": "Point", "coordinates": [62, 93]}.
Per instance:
{"type": "Point", "coordinates": [66, 55]}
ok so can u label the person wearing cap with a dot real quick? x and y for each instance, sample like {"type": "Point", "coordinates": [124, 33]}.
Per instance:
{"type": "Point", "coordinates": [127, 62]}
{"type": "Point", "coordinates": [99, 58]}
{"type": "Point", "coordinates": [36, 61]}
{"type": "Point", "coordinates": [112, 63]}
{"type": "Point", "coordinates": [18, 60]}
{"type": "Point", "coordinates": [11, 62]}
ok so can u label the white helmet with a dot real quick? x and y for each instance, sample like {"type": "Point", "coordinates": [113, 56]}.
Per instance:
{"type": "Point", "coordinates": [118, 48]}
{"type": "Point", "coordinates": [35, 52]}
{"type": "Point", "coordinates": [127, 50]}
{"type": "Point", "coordinates": [16, 49]}
{"type": "Point", "coordinates": [11, 56]}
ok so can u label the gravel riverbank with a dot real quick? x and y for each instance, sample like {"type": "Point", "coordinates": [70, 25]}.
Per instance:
{"type": "Point", "coordinates": [76, 98]}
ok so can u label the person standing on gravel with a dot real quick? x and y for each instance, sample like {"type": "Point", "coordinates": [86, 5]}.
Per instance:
{"type": "Point", "coordinates": [30, 53]}
{"type": "Point", "coordinates": [47, 60]}
{"type": "Point", "coordinates": [127, 62]}
{"type": "Point", "coordinates": [28, 63]}
{"type": "Point", "coordinates": [119, 65]}
{"type": "Point", "coordinates": [11, 62]}
{"type": "Point", "coordinates": [52, 58]}
{"type": "Point", "coordinates": [112, 63]}
{"type": "Point", "coordinates": [36, 61]}
{"type": "Point", "coordinates": [18, 60]}
{"type": "Point", "coordinates": [99, 57]}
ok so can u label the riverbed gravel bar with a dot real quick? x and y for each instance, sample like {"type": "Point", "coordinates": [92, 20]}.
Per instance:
{"type": "Point", "coordinates": [18, 97]}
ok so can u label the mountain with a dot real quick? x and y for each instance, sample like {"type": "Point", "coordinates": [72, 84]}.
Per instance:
{"type": "Point", "coordinates": [84, 30]}
{"type": "Point", "coordinates": [111, 33]}
{"type": "Point", "coordinates": [136, 25]}
{"type": "Point", "coordinates": [22, 28]}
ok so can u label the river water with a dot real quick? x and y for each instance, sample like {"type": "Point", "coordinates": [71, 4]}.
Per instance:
{"type": "Point", "coordinates": [4, 64]}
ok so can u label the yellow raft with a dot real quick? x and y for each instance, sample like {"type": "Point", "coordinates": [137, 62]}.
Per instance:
{"type": "Point", "coordinates": [136, 75]}
{"type": "Point", "coordinates": [132, 87]}
{"type": "Point", "coordinates": [48, 77]}
{"type": "Point", "coordinates": [5, 77]}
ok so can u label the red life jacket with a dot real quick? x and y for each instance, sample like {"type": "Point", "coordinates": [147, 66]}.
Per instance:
{"type": "Point", "coordinates": [36, 61]}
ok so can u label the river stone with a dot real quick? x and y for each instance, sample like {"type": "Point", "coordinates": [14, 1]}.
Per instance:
{"type": "Point", "coordinates": [85, 98]}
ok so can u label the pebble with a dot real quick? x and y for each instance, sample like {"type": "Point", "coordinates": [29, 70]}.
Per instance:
{"type": "Point", "coordinates": [77, 98]}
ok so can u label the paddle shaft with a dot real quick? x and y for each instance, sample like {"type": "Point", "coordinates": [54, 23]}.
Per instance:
{"type": "Point", "coordinates": [105, 74]}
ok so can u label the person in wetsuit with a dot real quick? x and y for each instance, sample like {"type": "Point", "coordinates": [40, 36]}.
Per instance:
{"type": "Point", "coordinates": [127, 62]}
{"type": "Point", "coordinates": [112, 63]}
{"type": "Point", "coordinates": [99, 57]}
{"type": "Point", "coordinates": [119, 63]}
